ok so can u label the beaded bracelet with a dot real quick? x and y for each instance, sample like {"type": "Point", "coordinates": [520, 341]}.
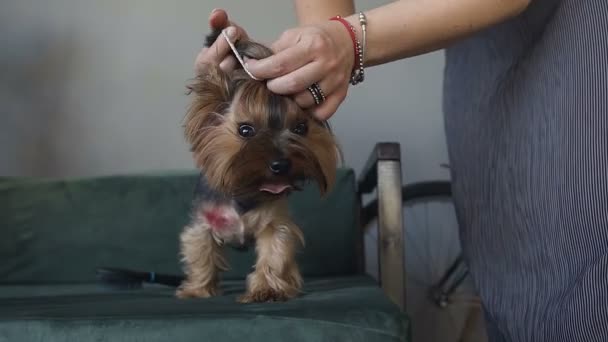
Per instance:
{"type": "Point", "coordinates": [363, 23]}
{"type": "Point", "coordinates": [358, 74]}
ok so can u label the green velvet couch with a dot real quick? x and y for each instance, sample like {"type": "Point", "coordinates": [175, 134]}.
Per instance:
{"type": "Point", "coordinates": [55, 233]}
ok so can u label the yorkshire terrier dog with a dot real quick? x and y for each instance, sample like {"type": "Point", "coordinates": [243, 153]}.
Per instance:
{"type": "Point", "coordinates": [253, 148]}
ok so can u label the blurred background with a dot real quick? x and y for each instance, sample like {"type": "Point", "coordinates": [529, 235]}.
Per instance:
{"type": "Point", "coordinates": [92, 87]}
{"type": "Point", "coordinates": [98, 87]}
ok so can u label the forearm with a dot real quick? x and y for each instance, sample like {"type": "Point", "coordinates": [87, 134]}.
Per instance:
{"type": "Point", "coordinates": [315, 11]}
{"type": "Point", "coordinates": [412, 27]}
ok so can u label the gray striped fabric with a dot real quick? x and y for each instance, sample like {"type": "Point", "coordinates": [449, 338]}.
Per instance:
{"type": "Point", "coordinates": [526, 117]}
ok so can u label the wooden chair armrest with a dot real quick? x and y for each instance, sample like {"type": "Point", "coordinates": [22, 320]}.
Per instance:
{"type": "Point", "coordinates": [382, 172]}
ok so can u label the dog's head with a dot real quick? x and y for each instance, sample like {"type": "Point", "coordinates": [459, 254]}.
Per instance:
{"type": "Point", "coordinates": [250, 142]}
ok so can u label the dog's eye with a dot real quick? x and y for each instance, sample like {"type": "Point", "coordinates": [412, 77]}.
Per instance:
{"type": "Point", "coordinates": [246, 130]}
{"type": "Point", "coordinates": [300, 129]}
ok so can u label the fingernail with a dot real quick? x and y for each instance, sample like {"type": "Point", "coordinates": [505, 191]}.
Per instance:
{"type": "Point", "coordinates": [214, 10]}
{"type": "Point", "coordinates": [249, 63]}
{"type": "Point", "coordinates": [231, 32]}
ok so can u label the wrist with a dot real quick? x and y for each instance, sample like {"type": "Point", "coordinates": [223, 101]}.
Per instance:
{"type": "Point", "coordinates": [357, 34]}
{"type": "Point", "coordinates": [345, 40]}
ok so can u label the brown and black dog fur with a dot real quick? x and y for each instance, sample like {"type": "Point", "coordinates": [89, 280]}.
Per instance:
{"type": "Point", "coordinates": [253, 147]}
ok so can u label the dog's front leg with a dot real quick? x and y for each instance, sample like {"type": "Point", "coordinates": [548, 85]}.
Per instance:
{"type": "Point", "coordinates": [202, 259]}
{"type": "Point", "coordinates": [276, 276]}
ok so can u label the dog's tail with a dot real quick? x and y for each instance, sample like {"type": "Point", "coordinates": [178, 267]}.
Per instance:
{"type": "Point", "coordinates": [119, 278]}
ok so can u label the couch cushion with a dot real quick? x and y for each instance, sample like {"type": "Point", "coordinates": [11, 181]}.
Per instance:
{"type": "Point", "coordinates": [334, 309]}
{"type": "Point", "coordinates": [55, 231]}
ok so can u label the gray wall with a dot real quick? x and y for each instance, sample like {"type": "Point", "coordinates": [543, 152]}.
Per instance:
{"type": "Point", "coordinates": [97, 87]}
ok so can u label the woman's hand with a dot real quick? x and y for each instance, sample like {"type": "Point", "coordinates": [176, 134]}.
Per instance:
{"type": "Point", "coordinates": [324, 52]}
{"type": "Point", "coordinates": [219, 52]}
{"type": "Point", "coordinates": [321, 53]}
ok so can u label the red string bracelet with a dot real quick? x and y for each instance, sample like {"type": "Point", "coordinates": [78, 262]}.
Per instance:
{"type": "Point", "coordinates": [357, 74]}
{"type": "Point", "coordinates": [353, 36]}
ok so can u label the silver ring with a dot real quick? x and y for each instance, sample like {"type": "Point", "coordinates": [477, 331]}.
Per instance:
{"type": "Point", "coordinates": [317, 94]}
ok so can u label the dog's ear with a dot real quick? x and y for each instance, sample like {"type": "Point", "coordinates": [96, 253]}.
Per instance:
{"type": "Point", "coordinates": [211, 91]}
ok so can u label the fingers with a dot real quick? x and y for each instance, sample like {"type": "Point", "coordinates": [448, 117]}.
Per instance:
{"type": "Point", "coordinates": [334, 88]}
{"type": "Point", "coordinates": [328, 108]}
{"type": "Point", "coordinates": [305, 99]}
{"type": "Point", "coordinates": [298, 82]}
{"type": "Point", "coordinates": [229, 63]}
{"type": "Point", "coordinates": [287, 39]}
{"type": "Point", "coordinates": [218, 19]}
{"type": "Point", "coordinates": [218, 51]}
{"type": "Point", "coordinates": [280, 63]}
{"type": "Point", "coordinates": [299, 61]}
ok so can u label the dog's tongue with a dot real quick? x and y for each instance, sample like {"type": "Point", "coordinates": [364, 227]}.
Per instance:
{"type": "Point", "coordinates": [275, 188]}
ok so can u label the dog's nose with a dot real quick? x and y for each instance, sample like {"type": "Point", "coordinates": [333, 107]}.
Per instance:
{"type": "Point", "coordinates": [280, 166]}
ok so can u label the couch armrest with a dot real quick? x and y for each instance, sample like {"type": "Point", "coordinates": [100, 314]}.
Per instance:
{"type": "Point", "coordinates": [382, 172]}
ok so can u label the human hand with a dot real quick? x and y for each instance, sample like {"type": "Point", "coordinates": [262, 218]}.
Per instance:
{"type": "Point", "coordinates": [321, 53]}
{"type": "Point", "coordinates": [219, 52]}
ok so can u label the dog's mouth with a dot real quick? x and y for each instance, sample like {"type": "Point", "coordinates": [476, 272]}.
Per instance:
{"type": "Point", "coordinates": [282, 187]}
{"type": "Point", "coordinates": [276, 188]}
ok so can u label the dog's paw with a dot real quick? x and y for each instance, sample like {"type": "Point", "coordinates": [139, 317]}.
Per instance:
{"type": "Point", "coordinates": [196, 292]}
{"type": "Point", "coordinates": [264, 296]}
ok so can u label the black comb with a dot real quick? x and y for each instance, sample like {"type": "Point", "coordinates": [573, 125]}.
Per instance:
{"type": "Point", "coordinates": [120, 278]}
